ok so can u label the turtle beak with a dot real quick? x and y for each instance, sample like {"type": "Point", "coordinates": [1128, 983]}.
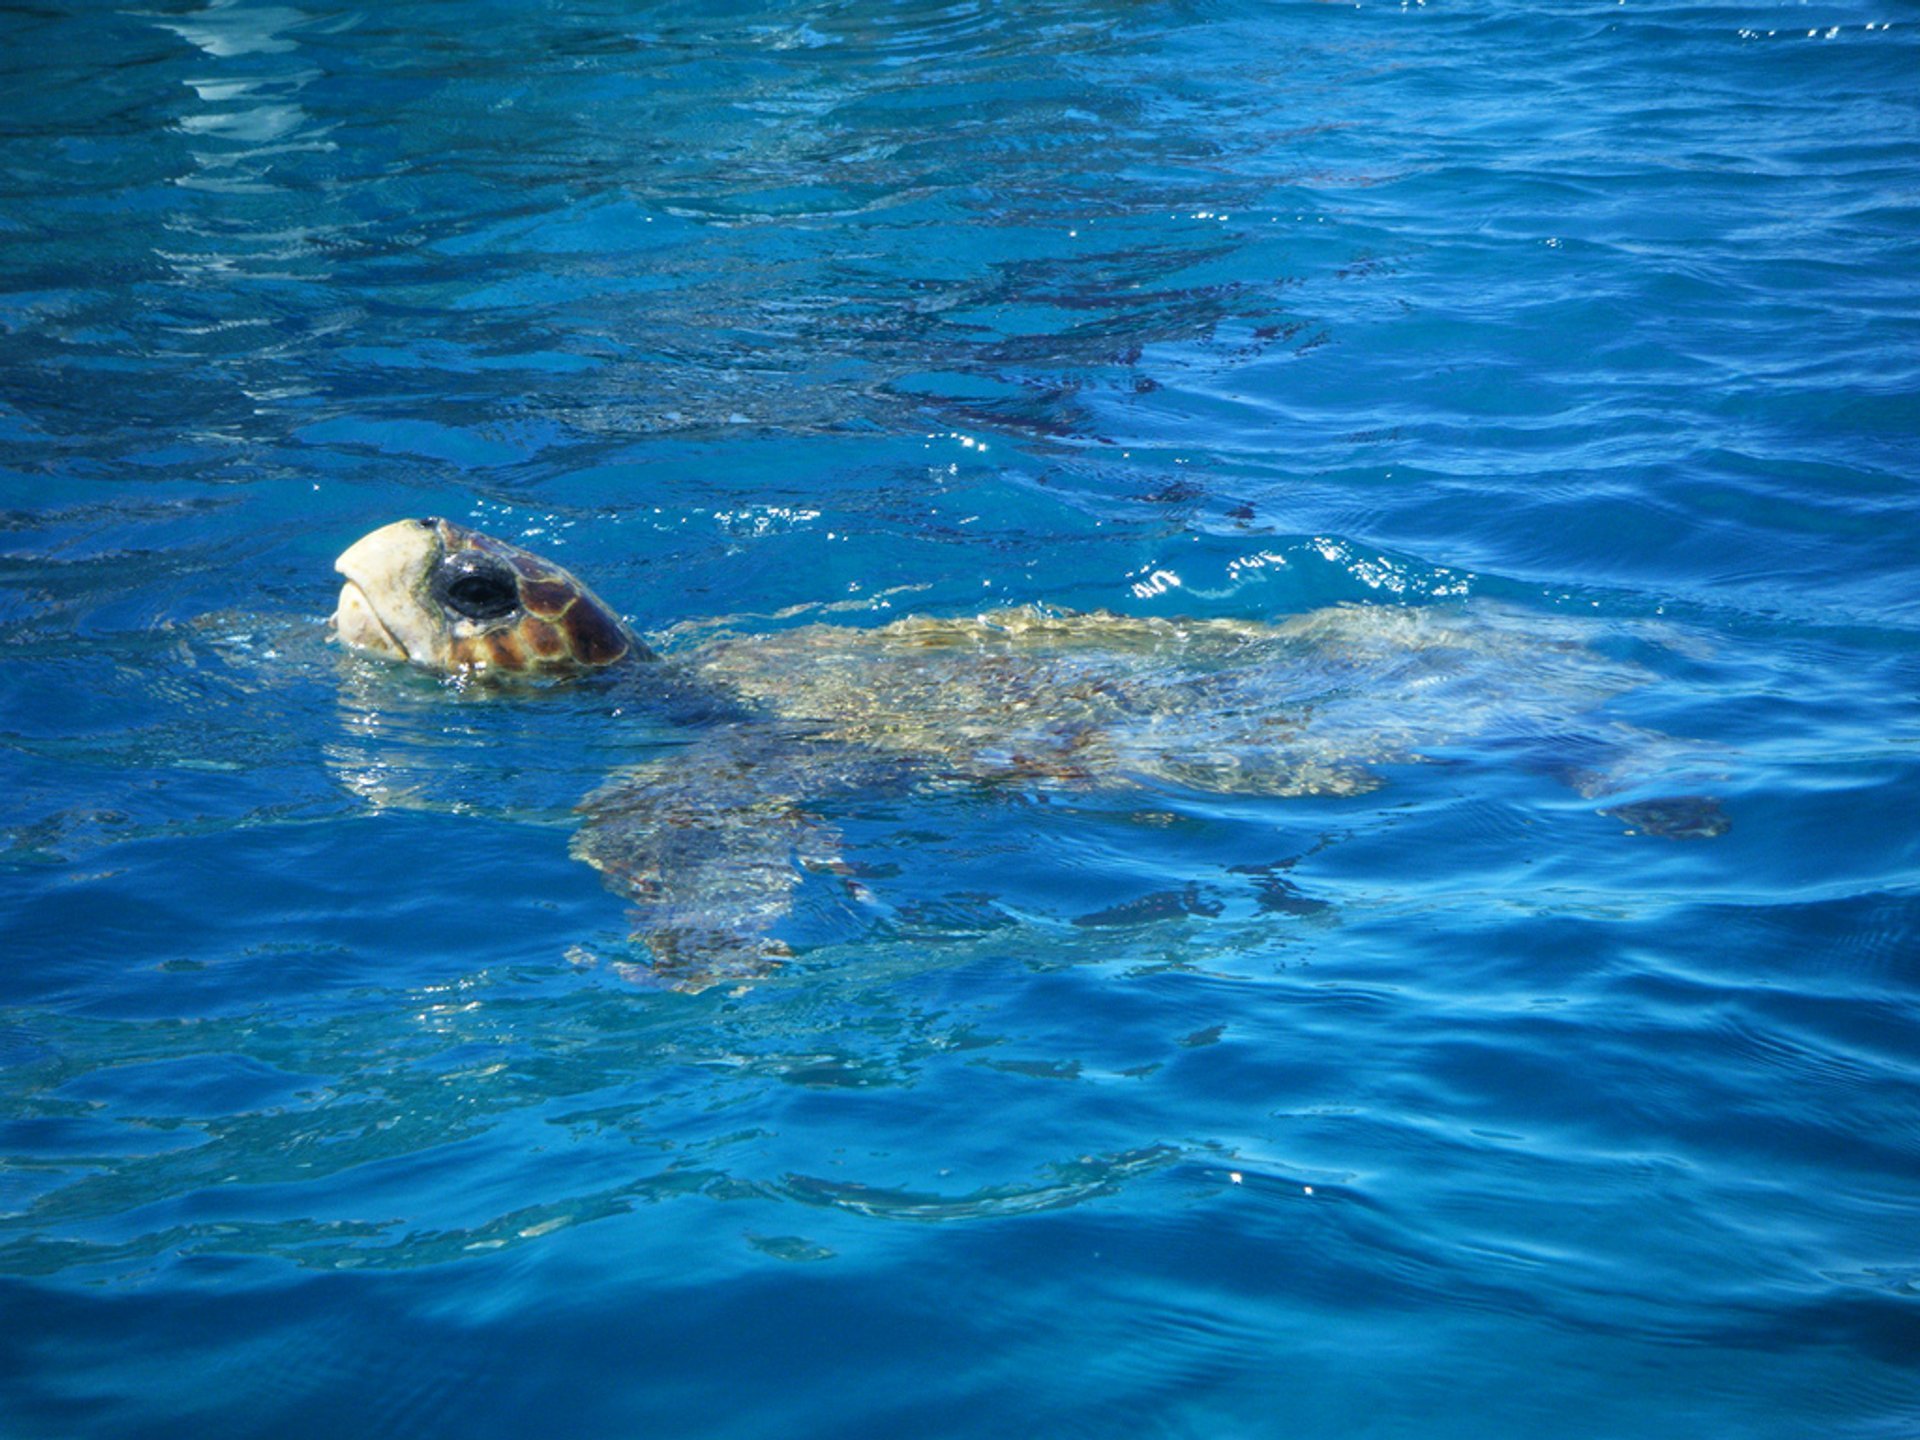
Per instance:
{"type": "Point", "coordinates": [359, 626]}
{"type": "Point", "coordinates": [385, 608]}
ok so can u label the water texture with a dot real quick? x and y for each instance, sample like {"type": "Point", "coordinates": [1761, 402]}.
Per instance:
{"type": "Point", "coordinates": [1562, 1078]}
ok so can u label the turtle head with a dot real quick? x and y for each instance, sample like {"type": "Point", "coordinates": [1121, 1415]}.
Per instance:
{"type": "Point", "coordinates": [456, 601]}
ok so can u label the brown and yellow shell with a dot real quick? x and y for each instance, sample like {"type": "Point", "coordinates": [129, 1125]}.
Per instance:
{"type": "Point", "coordinates": [560, 626]}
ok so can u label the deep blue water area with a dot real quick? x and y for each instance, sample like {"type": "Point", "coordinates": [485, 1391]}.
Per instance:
{"type": "Point", "coordinates": [1562, 1079]}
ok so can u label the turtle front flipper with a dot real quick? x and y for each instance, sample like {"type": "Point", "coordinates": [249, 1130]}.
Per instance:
{"type": "Point", "coordinates": [711, 845]}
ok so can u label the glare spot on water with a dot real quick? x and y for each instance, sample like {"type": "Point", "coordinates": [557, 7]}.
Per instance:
{"type": "Point", "coordinates": [1259, 560]}
{"type": "Point", "coordinates": [1156, 583]}
{"type": "Point", "coordinates": [1379, 573]}
{"type": "Point", "coordinates": [753, 522]}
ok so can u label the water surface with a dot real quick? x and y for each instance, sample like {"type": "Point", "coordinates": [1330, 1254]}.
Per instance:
{"type": "Point", "coordinates": [1457, 1105]}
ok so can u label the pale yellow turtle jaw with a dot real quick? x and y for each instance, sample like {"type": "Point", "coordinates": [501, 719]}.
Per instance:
{"type": "Point", "coordinates": [358, 626]}
{"type": "Point", "coordinates": [385, 607]}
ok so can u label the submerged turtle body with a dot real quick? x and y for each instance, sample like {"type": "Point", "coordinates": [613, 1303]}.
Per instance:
{"type": "Point", "coordinates": [1302, 706]}
{"type": "Point", "coordinates": [712, 843]}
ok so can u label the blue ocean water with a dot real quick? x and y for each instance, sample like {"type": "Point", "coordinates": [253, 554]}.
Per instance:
{"type": "Point", "coordinates": [328, 1103]}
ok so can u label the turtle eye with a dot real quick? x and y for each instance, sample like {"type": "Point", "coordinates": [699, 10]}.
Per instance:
{"type": "Point", "coordinates": [476, 587]}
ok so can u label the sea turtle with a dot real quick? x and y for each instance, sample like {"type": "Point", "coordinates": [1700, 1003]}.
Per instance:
{"type": "Point", "coordinates": [712, 843]}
